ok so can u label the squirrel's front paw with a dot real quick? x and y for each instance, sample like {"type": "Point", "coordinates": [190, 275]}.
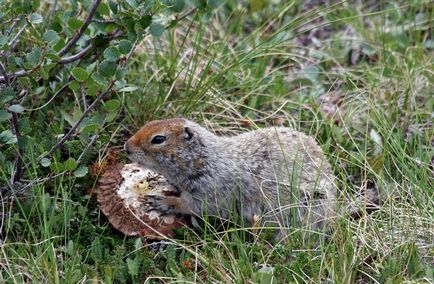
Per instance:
{"type": "Point", "coordinates": [160, 204]}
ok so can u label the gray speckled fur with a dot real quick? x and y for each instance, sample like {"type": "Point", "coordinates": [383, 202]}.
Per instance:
{"type": "Point", "coordinates": [272, 172]}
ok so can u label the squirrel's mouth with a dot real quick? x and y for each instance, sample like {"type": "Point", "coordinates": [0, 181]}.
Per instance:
{"type": "Point", "coordinates": [142, 162]}
{"type": "Point", "coordinates": [132, 159]}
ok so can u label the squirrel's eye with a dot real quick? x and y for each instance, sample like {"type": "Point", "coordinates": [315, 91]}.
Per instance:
{"type": "Point", "coordinates": [158, 139]}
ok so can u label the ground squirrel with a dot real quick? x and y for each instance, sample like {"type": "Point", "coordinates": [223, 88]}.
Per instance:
{"type": "Point", "coordinates": [276, 173]}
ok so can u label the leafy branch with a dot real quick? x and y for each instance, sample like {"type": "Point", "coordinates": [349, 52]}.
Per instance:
{"type": "Point", "coordinates": [81, 31]}
{"type": "Point", "coordinates": [49, 60]}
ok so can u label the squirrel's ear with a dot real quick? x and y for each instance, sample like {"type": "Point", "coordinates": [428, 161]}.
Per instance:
{"type": "Point", "coordinates": [188, 133]}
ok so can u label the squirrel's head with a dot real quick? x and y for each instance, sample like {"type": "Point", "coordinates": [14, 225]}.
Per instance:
{"type": "Point", "coordinates": [171, 147]}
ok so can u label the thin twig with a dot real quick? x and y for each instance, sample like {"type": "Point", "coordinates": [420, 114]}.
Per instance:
{"type": "Point", "coordinates": [185, 15]}
{"type": "Point", "coordinates": [109, 21]}
{"type": "Point", "coordinates": [12, 27]}
{"type": "Point", "coordinates": [76, 56]}
{"type": "Point", "coordinates": [5, 76]}
{"type": "Point", "coordinates": [30, 183]}
{"type": "Point", "coordinates": [16, 175]}
{"type": "Point", "coordinates": [65, 60]}
{"type": "Point", "coordinates": [8, 21]}
{"type": "Point", "coordinates": [2, 217]}
{"type": "Point", "coordinates": [13, 75]}
{"type": "Point", "coordinates": [19, 152]}
{"type": "Point", "coordinates": [83, 28]}
{"type": "Point", "coordinates": [14, 41]}
{"type": "Point", "coordinates": [68, 135]}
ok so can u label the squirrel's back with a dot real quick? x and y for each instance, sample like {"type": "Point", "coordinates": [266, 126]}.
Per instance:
{"type": "Point", "coordinates": [288, 167]}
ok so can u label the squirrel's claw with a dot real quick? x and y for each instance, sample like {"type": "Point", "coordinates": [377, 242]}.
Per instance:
{"type": "Point", "coordinates": [159, 204]}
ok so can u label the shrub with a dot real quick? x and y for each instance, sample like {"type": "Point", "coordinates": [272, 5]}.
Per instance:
{"type": "Point", "coordinates": [58, 53]}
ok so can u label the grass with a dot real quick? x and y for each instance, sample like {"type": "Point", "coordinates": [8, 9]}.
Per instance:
{"type": "Point", "coordinates": [357, 78]}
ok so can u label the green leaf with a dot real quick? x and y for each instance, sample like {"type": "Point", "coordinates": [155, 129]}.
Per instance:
{"type": "Point", "coordinates": [213, 4]}
{"type": "Point", "coordinates": [3, 40]}
{"type": "Point", "coordinates": [133, 267]}
{"type": "Point", "coordinates": [39, 90]}
{"type": "Point", "coordinates": [7, 137]}
{"type": "Point", "coordinates": [99, 79]}
{"type": "Point", "coordinates": [125, 46]}
{"type": "Point", "coordinates": [70, 248]}
{"type": "Point", "coordinates": [145, 21]}
{"type": "Point", "coordinates": [81, 171]}
{"type": "Point", "coordinates": [36, 18]}
{"type": "Point", "coordinates": [138, 244]}
{"type": "Point", "coordinates": [73, 118]}
{"type": "Point", "coordinates": [52, 56]}
{"type": "Point", "coordinates": [119, 84]}
{"type": "Point", "coordinates": [4, 115]}
{"type": "Point", "coordinates": [91, 67]}
{"type": "Point", "coordinates": [92, 88]}
{"type": "Point", "coordinates": [34, 56]}
{"type": "Point", "coordinates": [200, 4]}
{"type": "Point", "coordinates": [74, 85]}
{"type": "Point", "coordinates": [16, 108]}
{"type": "Point", "coordinates": [112, 54]}
{"type": "Point", "coordinates": [45, 162]}
{"type": "Point", "coordinates": [173, 23]}
{"type": "Point", "coordinates": [23, 141]}
{"type": "Point", "coordinates": [71, 164]}
{"type": "Point", "coordinates": [51, 37]}
{"type": "Point", "coordinates": [82, 210]}
{"type": "Point", "coordinates": [132, 3]}
{"type": "Point", "coordinates": [7, 95]}
{"type": "Point", "coordinates": [177, 5]}
{"type": "Point", "coordinates": [36, 4]}
{"type": "Point", "coordinates": [112, 105]}
{"type": "Point", "coordinates": [8, 91]}
{"type": "Point", "coordinates": [107, 68]}
{"type": "Point", "coordinates": [265, 275]}
{"type": "Point", "coordinates": [12, 60]}
{"type": "Point", "coordinates": [75, 23]}
{"type": "Point", "coordinates": [128, 89]}
{"type": "Point", "coordinates": [156, 29]}
{"type": "Point", "coordinates": [59, 45]}
{"type": "Point", "coordinates": [113, 6]}
{"type": "Point", "coordinates": [79, 74]}
{"type": "Point", "coordinates": [103, 9]}
{"type": "Point", "coordinates": [111, 28]}
{"type": "Point", "coordinates": [90, 127]}
{"type": "Point", "coordinates": [111, 116]}
{"type": "Point", "coordinates": [44, 72]}
{"type": "Point", "coordinates": [310, 72]}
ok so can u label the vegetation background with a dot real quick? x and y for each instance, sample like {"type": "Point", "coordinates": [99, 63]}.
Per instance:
{"type": "Point", "coordinates": [79, 77]}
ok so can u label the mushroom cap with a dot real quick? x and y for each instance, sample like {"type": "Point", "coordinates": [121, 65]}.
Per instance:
{"type": "Point", "coordinates": [121, 193]}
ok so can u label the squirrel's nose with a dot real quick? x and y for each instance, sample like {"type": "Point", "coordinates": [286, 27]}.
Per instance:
{"type": "Point", "coordinates": [127, 148]}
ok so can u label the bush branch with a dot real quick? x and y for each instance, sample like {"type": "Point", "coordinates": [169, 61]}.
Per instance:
{"type": "Point", "coordinates": [79, 55]}
{"type": "Point", "coordinates": [17, 171]}
{"type": "Point", "coordinates": [83, 28]}
{"type": "Point", "coordinates": [64, 60]}
{"type": "Point", "coordinates": [77, 124]}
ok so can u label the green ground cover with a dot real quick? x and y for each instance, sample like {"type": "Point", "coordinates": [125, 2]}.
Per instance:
{"type": "Point", "coordinates": [356, 75]}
